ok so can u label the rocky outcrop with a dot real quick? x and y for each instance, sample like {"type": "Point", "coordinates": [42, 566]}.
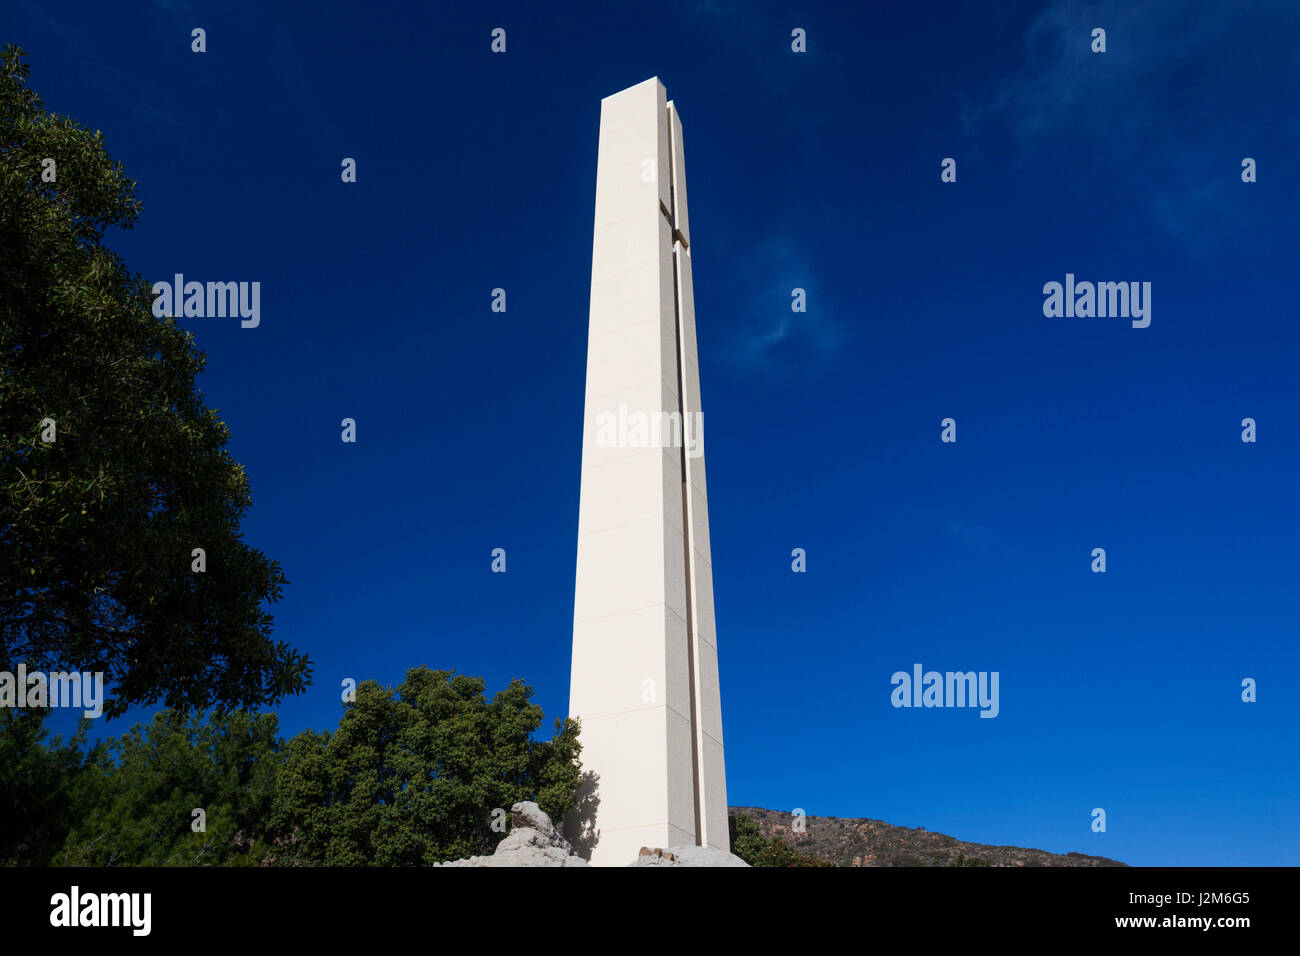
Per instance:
{"type": "Point", "coordinates": [529, 816]}
{"type": "Point", "coordinates": [532, 841]}
{"type": "Point", "coordinates": [686, 856]}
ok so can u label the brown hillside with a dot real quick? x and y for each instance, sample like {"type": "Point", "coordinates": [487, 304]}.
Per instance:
{"type": "Point", "coordinates": [858, 842]}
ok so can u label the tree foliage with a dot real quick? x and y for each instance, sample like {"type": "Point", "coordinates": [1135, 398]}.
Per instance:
{"type": "Point", "coordinates": [42, 786]}
{"type": "Point", "coordinates": [98, 526]}
{"type": "Point", "coordinates": [145, 786]}
{"type": "Point", "coordinates": [412, 775]}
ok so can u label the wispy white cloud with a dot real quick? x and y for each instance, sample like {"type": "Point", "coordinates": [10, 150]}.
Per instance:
{"type": "Point", "coordinates": [1062, 83]}
{"type": "Point", "coordinates": [771, 333]}
{"type": "Point", "coordinates": [1144, 105]}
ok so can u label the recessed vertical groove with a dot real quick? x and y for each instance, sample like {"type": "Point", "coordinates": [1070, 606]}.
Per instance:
{"type": "Point", "coordinates": [688, 542]}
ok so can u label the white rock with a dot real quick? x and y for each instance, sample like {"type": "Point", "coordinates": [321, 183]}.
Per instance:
{"type": "Point", "coordinates": [687, 856]}
{"type": "Point", "coordinates": [532, 841]}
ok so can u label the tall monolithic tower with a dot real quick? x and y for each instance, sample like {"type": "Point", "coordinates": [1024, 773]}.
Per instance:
{"type": "Point", "coordinates": [645, 662]}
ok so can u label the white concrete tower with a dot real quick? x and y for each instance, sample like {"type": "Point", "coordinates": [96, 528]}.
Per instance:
{"type": "Point", "coordinates": [645, 662]}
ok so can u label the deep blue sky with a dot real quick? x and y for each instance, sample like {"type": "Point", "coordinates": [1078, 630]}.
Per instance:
{"type": "Point", "coordinates": [820, 171]}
